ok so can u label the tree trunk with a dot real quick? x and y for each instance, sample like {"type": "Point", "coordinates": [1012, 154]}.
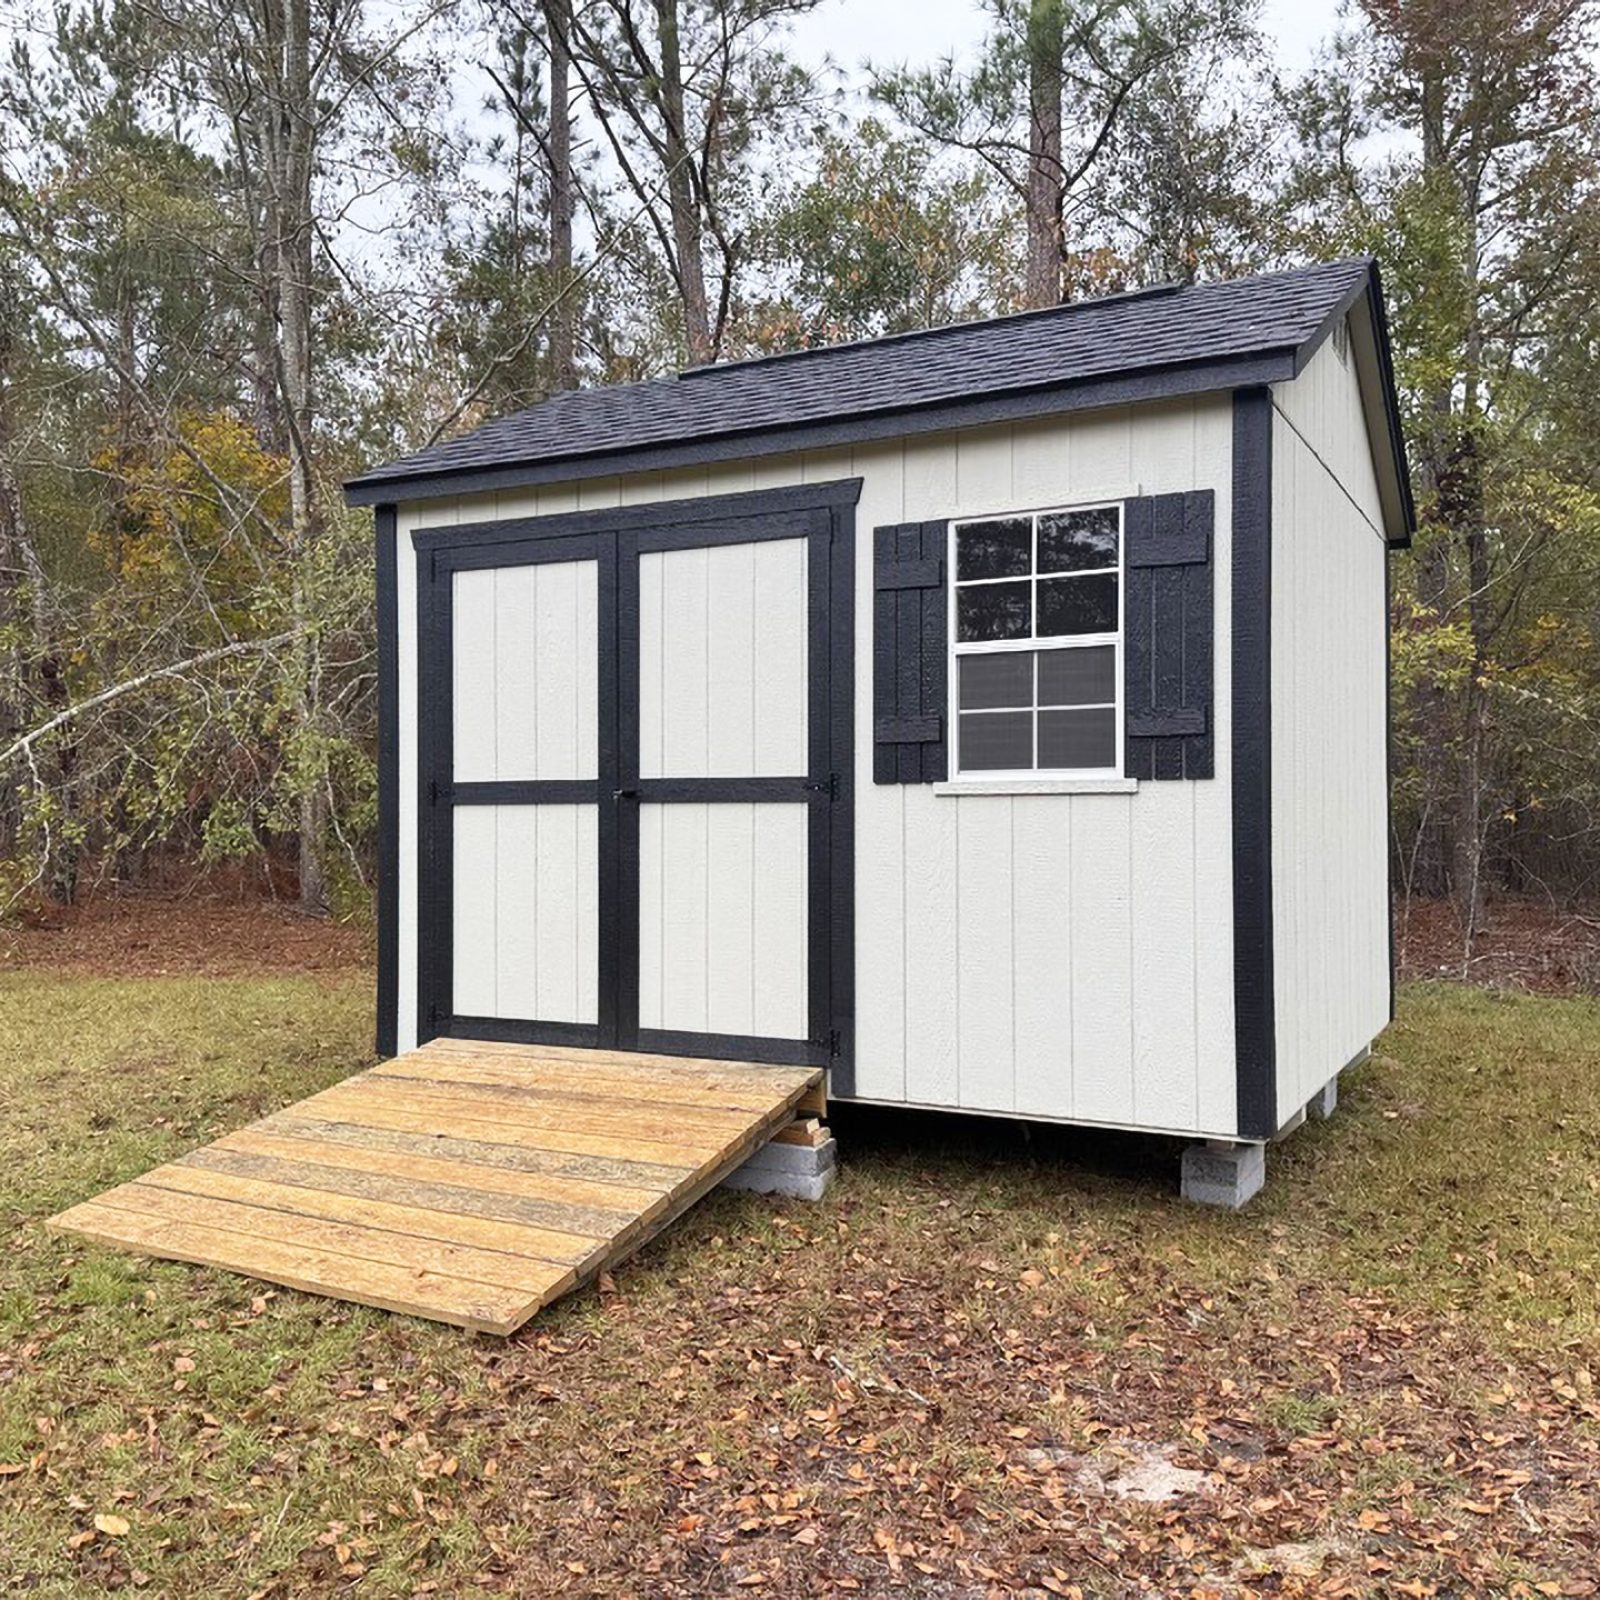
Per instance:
{"type": "Point", "coordinates": [1046, 42]}
{"type": "Point", "coordinates": [14, 564]}
{"type": "Point", "coordinates": [563, 320]}
{"type": "Point", "coordinates": [291, 196]}
{"type": "Point", "coordinates": [687, 240]}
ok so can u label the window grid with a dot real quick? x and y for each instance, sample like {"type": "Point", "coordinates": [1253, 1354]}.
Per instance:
{"type": "Point", "coordinates": [1036, 643]}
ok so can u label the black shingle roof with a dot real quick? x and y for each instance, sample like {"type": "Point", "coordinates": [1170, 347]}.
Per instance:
{"type": "Point", "coordinates": [1175, 328]}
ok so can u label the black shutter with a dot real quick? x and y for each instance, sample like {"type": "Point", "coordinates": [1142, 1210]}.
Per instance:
{"type": "Point", "coordinates": [1168, 623]}
{"type": "Point", "coordinates": [908, 653]}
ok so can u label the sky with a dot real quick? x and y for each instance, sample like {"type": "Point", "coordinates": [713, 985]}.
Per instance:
{"type": "Point", "coordinates": [890, 32]}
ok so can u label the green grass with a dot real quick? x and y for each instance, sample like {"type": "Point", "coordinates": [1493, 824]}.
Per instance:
{"type": "Point", "coordinates": [1409, 1310]}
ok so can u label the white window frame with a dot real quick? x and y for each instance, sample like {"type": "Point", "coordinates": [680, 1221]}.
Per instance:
{"type": "Point", "coordinates": [1011, 776]}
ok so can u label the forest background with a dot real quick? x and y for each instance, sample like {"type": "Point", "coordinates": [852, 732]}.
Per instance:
{"type": "Point", "coordinates": [247, 250]}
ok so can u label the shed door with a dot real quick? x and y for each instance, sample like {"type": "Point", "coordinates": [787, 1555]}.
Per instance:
{"type": "Point", "coordinates": [635, 811]}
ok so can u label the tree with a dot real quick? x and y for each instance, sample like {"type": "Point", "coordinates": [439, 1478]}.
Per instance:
{"type": "Point", "coordinates": [513, 313]}
{"type": "Point", "coordinates": [177, 202]}
{"type": "Point", "coordinates": [691, 96]}
{"type": "Point", "coordinates": [1044, 105]}
{"type": "Point", "coordinates": [1488, 209]}
{"type": "Point", "coordinates": [881, 238]}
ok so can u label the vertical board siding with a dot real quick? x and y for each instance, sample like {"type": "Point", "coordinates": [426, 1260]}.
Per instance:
{"type": "Point", "coordinates": [525, 672]}
{"type": "Point", "coordinates": [723, 919]}
{"type": "Point", "coordinates": [1329, 768]}
{"type": "Point", "coordinates": [1065, 956]}
{"type": "Point", "coordinates": [525, 919]}
{"type": "Point", "coordinates": [722, 661]}
{"type": "Point", "coordinates": [882, 877]}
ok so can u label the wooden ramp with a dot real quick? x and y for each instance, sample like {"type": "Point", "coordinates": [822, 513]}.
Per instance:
{"type": "Point", "coordinates": [470, 1183]}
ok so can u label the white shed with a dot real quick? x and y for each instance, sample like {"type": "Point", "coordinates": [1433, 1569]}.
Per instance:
{"type": "Point", "coordinates": [995, 716]}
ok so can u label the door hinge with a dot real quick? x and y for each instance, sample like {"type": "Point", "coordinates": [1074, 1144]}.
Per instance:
{"type": "Point", "coordinates": [828, 786]}
{"type": "Point", "coordinates": [439, 791]}
{"type": "Point", "coordinates": [830, 1043]}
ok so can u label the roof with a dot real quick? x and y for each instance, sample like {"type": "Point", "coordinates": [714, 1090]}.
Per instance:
{"type": "Point", "coordinates": [1152, 343]}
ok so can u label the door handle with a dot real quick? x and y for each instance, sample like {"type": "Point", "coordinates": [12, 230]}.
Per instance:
{"type": "Point", "coordinates": [624, 794]}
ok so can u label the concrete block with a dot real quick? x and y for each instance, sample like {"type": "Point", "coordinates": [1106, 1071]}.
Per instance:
{"type": "Point", "coordinates": [1325, 1101]}
{"type": "Point", "coordinates": [801, 1158]}
{"type": "Point", "coordinates": [1220, 1174]}
{"type": "Point", "coordinates": [796, 1185]}
{"type": "Point", "coordinates": [803, 1172]}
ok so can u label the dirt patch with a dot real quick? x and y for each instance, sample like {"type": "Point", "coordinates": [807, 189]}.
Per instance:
{"type": "Point", "coordinates": [1527, 944]}
{"type": "Point", "coordinates": [199, 934]}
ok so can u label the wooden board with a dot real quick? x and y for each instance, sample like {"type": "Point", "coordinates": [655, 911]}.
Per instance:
{"type": "Point", "coordinates": [468, 1183]}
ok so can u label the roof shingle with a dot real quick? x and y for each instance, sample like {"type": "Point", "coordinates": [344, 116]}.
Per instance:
{"type": "Point", "coordinates": [1170, 327]}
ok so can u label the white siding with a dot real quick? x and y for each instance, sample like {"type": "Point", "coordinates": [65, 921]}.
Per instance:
{"type": "Point", "coordinates": [1329, 767]}
{"type": "Point", "coordinates": [1063, 956]}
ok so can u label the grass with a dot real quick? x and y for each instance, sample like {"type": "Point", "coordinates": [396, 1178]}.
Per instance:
{"type": "Point", "coordinates": [1392, 1352]}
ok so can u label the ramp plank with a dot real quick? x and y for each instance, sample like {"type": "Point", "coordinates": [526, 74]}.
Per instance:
{"type": "Point", "coordinates": [468, 1182]}
{"type": "Point", "coordinates": [488, 1179]}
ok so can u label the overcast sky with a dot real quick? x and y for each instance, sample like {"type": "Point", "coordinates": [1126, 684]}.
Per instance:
{"type": "Point", "coordinates": [889, 32]}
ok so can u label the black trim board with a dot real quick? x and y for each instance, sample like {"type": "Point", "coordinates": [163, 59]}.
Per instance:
{"type": "Point", "coordinates": [388, 887]}
{"type": "Point", "coordinates": [1254, 1008]}
{"type": "Point", "coordinates": [699, 515]}
{"type": "Point", "coordinates": [1160, 383]}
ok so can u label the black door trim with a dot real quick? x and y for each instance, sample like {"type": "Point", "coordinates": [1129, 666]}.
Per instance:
{"type": "Point", "coordinates": [650, 519]}
{"type": "Point", "coordinates": [438, 795]}
{"type": "Point", "coordinates": [823, 514]}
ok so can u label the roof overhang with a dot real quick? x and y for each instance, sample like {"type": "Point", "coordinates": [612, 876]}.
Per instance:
{"type": "Point", "coordinates": [1362, 305]}
{"type": "Point", "coordinates": [1374, 361]}
{"type": "Point", "coordinates": [1126, 388]}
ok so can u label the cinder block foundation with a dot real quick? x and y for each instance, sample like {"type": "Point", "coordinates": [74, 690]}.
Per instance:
{"type": "Point", "coordinates": [1325, 1101]}
{"type": "Point", "coordinates": [1220, 1174]}
{"type": "Point", "coordinates": [801, 1171]}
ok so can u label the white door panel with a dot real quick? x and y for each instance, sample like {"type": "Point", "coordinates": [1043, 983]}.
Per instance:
{"type": "Point", "coordinates": [723, 918]}
{"type": "Point", "coordinates": [722, 661]}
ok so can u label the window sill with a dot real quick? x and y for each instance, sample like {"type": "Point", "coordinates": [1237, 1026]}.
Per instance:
{"type": "Point", "coordinates": [960, 786]}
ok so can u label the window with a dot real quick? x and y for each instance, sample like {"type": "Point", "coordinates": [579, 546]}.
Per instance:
{"type": "Point", "coordinates": [1036, 630]}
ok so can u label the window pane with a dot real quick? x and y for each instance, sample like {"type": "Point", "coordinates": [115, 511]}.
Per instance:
{"type": "Point", "coordinates": [996, 741]}
{"type": "Point", "coordinates": [1003, 680]}
{"type": "Point", "coordinates": [1086, 677]}
{"type": "Point", "coordinates": [1002, 548]}
{"type": "Point", "coordinates": [1077, 605]}
{"type": "Point", "coordinates": [1074, 541]}
{"type": "Point", "coordinates": [1073, 739]}
{"type": "Point", "coordinates": [994, 611]}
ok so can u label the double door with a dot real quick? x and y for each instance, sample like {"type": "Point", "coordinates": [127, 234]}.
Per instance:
{"type": "Point", "coordinates": [635, 761]}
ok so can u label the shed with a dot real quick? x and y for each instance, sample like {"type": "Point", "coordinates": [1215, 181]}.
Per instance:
{"type": "Point", "coordinates": [994, 716]}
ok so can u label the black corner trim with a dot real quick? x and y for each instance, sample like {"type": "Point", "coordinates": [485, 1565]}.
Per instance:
{"type": "Point", "coordinates": [1388, 764]}
{"type": "Point", "coordinates": [388, 887]}
{"type": "Point", "coordinates": [1254, 1010]}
